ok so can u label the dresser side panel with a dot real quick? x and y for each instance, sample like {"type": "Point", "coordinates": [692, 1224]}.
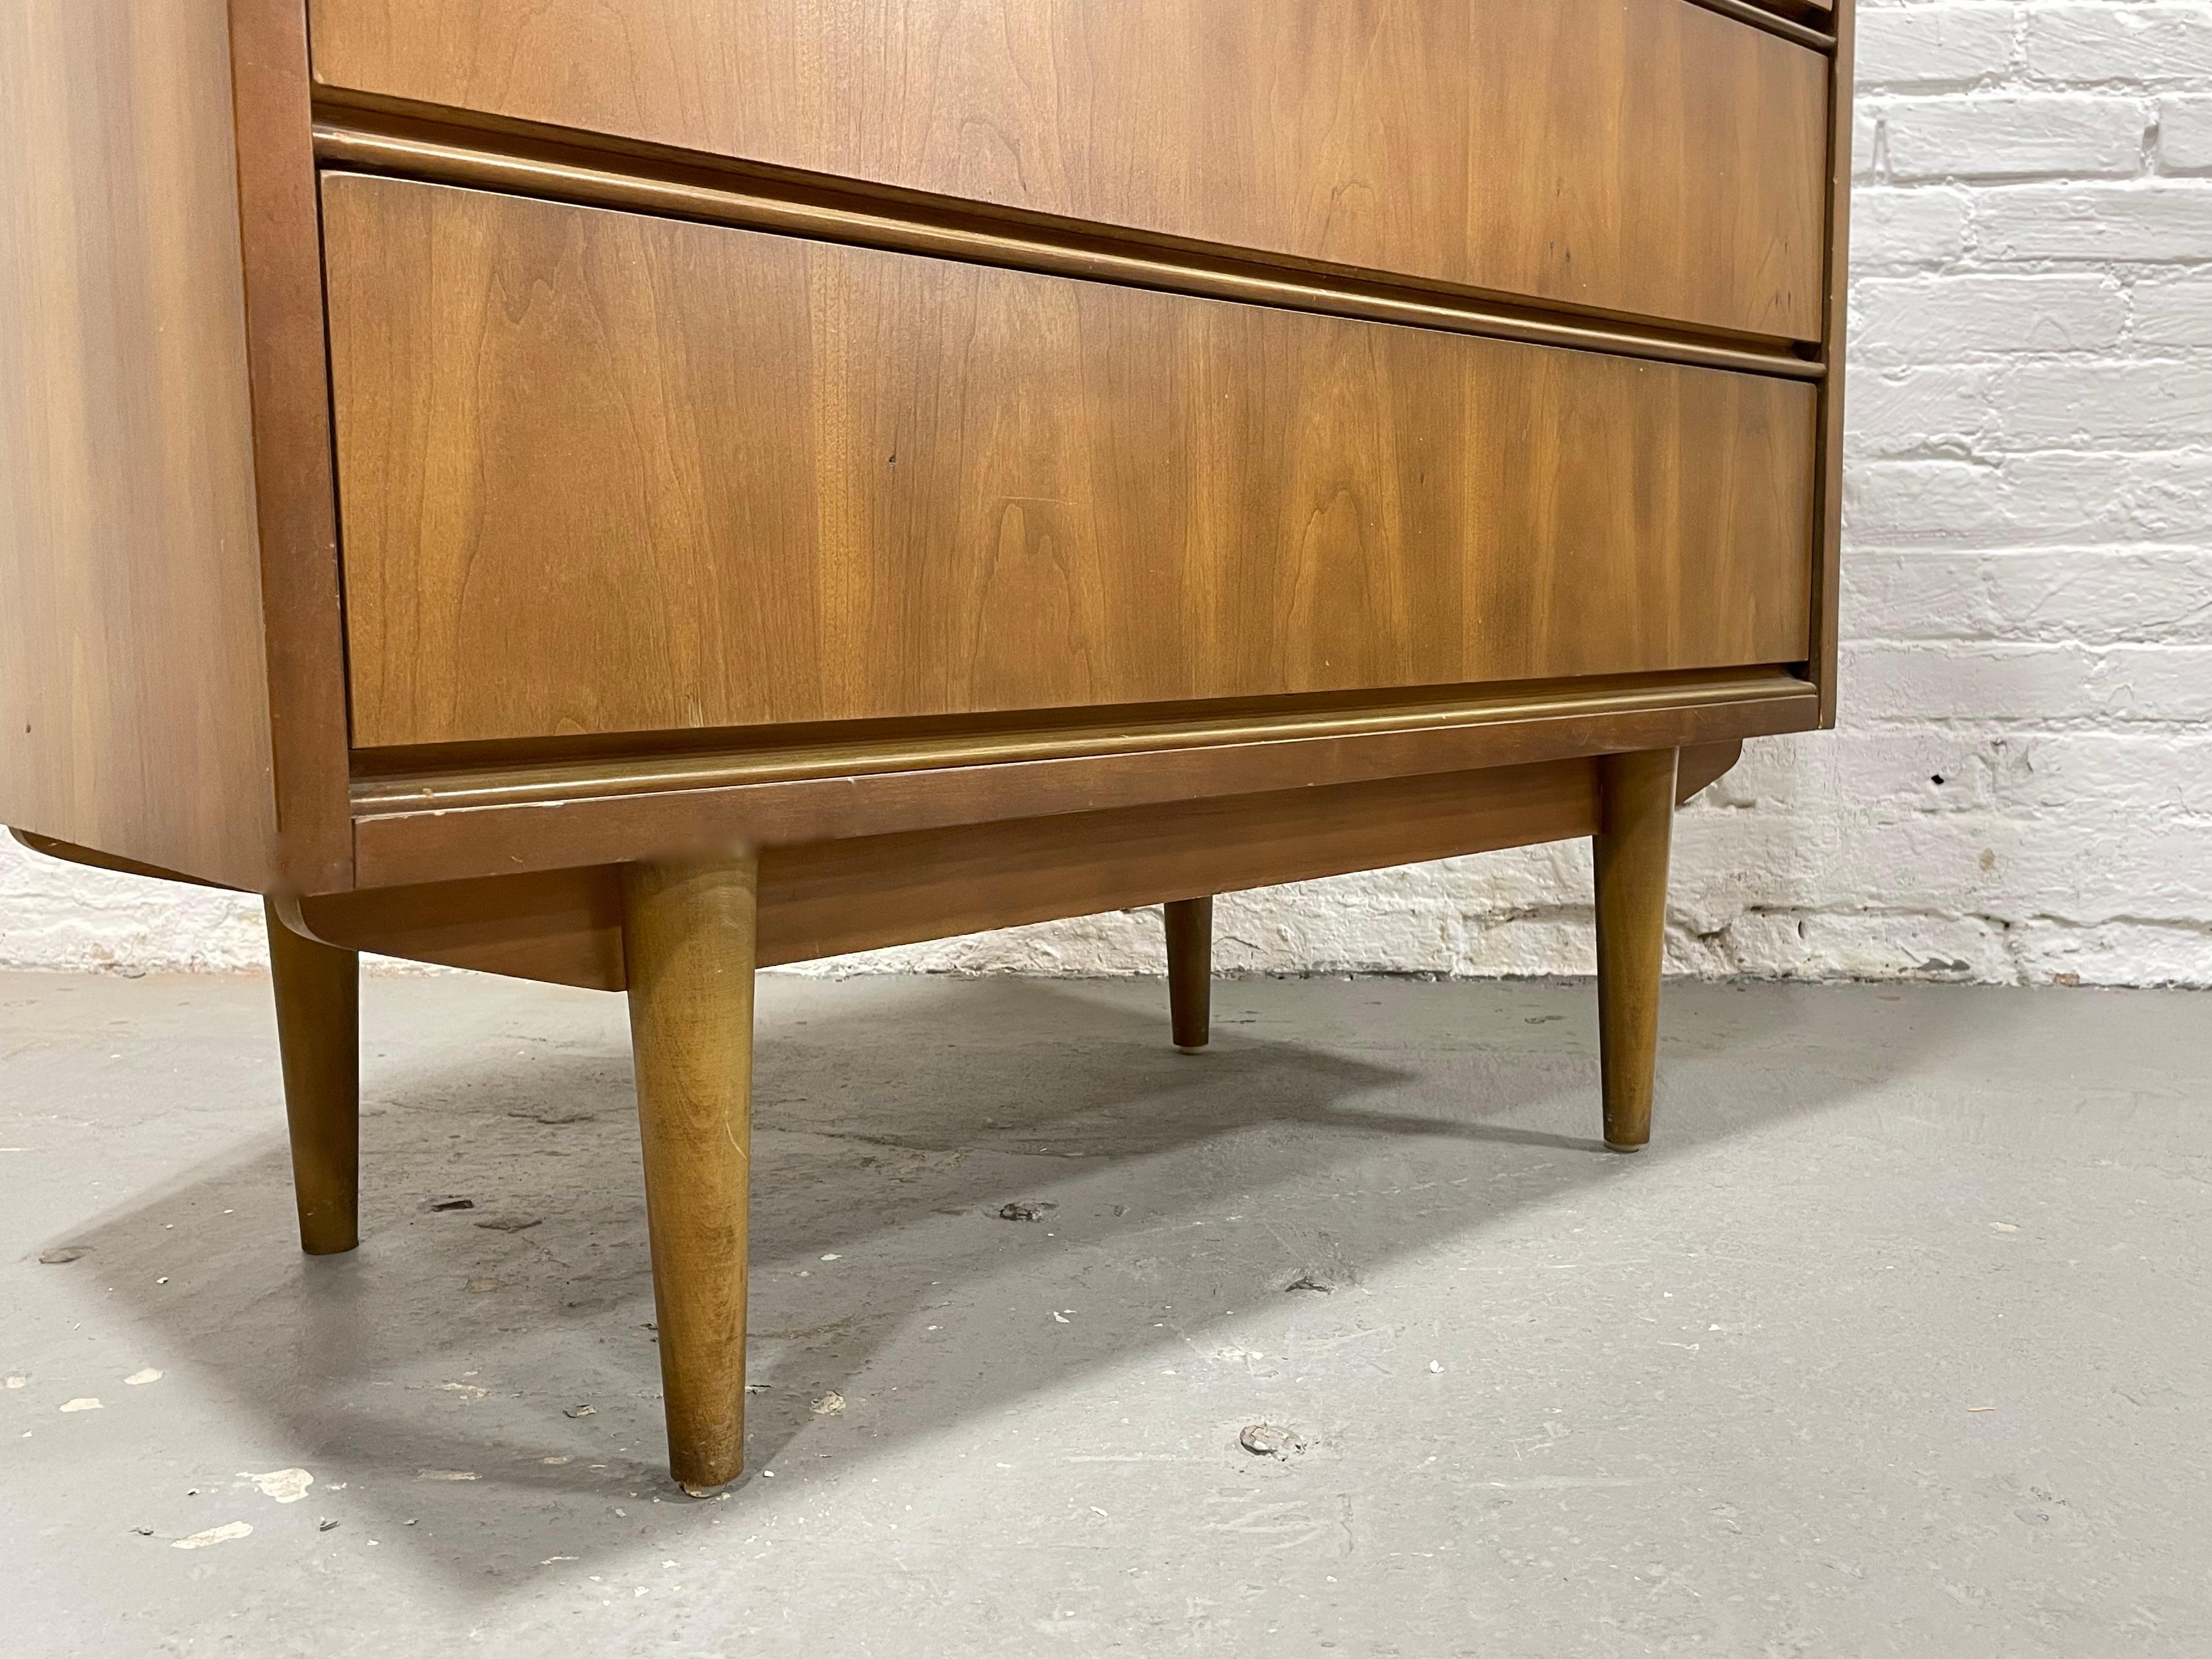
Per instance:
{"type": "Point", "coordinates": [134, 701]}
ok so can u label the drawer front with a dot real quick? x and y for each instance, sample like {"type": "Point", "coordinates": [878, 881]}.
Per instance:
{"type": "Point", "coordinates": [1644, 157]}
{"type": "Point", "coordinates": [603, 473]}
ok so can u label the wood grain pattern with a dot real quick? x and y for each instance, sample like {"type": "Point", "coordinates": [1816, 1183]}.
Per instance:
{"type": "Point", "coordinates": [445, 151]}
{"type": "Point", "coordinates": [565, 925]}
{"type": "Point", "coordinates": [318, 988]}
{"type": "Point", "coordinates": [1637, 798]}
{"type": "Point", "coordinates": [688, 931]}
{"type": "Point", "coordinates": [1678, 173]}
{"type": "Point", "coordinates": [1700, 766]}
{"type": "Point", "coordinates": [602, 473]}
{"type": "Point", "coordinates": [831, 898]}
{"type": "Point", "coordinates": [434, 838]}
{"type": "Point", "coordinates": [557, 926]}
{"type": "Point", "coordinates": [134, 707]}
{"type": "Point", "coordinates": [296, 491]}
{"type": "Point", "coordinates": [537, 774]}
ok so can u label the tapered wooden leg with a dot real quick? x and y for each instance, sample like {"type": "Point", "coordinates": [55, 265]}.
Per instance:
{"type": "Point", "coordinates": [1637, 827]}
{"type": "Point", "coordinates": [688, 935]}
{"type": "Point", "coordinates": [1190, 972]}
{"type": "Point", "coordinates": [319, 1037]}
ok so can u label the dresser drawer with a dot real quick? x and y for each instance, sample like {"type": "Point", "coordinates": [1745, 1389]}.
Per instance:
{"type": "Point", "coordinates": [1645, 158]}
{"type": "Point", "coordinates": [600, 472]}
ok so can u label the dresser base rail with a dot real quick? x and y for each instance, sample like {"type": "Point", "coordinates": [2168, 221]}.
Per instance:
{"type": "Point", "coordinates": [447, 825]}
{"type": "Point", "coordinates": [834, 897]}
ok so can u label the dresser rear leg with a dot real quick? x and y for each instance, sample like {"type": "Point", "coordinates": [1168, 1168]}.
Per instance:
{"type": "Point", "coordinates": [1636, 822]}
{"type": "Point", "coordinates": [1190, 972]}
{"type": "Point", "coordinates": [688, 939]}
{"type": "Point", "coordinates": [319, 1037]}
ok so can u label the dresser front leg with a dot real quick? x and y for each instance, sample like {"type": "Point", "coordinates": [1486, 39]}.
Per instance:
{"type": "Point", "coordinates": [688, 939]}
{"type": "Point", "coordinates": [1190, 972]}
{"type": "Point", "coordinates": [318, 1038]}
{"type": "Point", "coordinates": [1635, 832]}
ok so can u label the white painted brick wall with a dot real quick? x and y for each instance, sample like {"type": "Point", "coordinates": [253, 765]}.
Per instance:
{"type": "Point", "coordinates": [2022, 789]}
{"type": "Point", "coordinates": [2029, 594]}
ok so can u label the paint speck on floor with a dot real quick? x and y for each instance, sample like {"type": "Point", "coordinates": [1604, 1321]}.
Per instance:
{"type": "Point", "coordinates": [285, 1486]}
{"type": "Point", "coordinates": [222, 1534]}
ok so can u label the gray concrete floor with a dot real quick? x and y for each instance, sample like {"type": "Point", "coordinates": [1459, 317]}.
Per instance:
{"type": "Point", "coordinates": [1896, 1342]}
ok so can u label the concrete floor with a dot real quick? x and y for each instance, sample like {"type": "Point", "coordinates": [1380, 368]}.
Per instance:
{"type": "Point", "coordinates": [1897, 1341]}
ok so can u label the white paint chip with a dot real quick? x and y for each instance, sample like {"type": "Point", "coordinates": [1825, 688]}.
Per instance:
{"type": "Point", "coordinates": [2002, 1227]}
{"type": "Point", "coordinates": [139, 1378]}
{"type": "Point", "coordinates": [17, 1380]}
{"type": "Point", "coordinates": [446, 1474]}
{"type": "Point", "coordinates": [224, 1534]}
{"type": "Point", "coordinates": [285, 1486]}
{"type": "Point", "coordinates": [829, 1405]}
{"type": "Point", "coordinates": [87, 1403]}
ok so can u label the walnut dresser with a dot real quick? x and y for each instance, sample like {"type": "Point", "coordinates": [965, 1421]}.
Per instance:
{"type": "Point", "coordinates": [620, 492]}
